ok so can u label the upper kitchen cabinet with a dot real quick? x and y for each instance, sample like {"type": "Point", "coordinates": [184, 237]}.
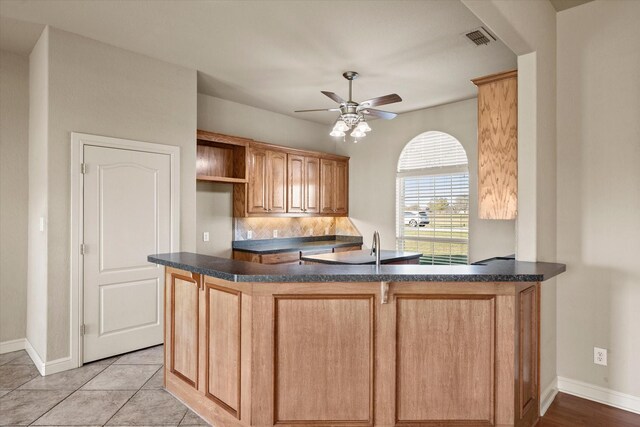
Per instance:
{"type": "Point", "coordinates": [221, 158]}
{"type": "Point", "coordinates": [303, 184]}
{"type": "Point", "coordinates": [267, 188]}
{"type": "Point", "coordinates": [275, 180]}
{"type": "Point", "coordinates": [498, 145]}
{"type": "Point", "coordinates": [334, 187]}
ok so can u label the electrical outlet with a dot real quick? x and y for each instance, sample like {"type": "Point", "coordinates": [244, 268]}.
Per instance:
{"type": "Point", "coordinates": [600, 356]}
{"type": "Point", "coordinates": [249, 234]}
{"type": "Point", "coordinates": [205, 236]}
{"type": "Point", "coordinates": [275, 233]}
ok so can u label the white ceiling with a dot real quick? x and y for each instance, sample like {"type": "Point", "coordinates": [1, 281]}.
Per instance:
{"type": "Point", "coordinates": [560, 5]}
{"type": "Point", "coordinates": [279, 55]}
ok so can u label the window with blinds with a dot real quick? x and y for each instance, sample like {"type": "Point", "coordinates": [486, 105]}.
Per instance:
{"type": "Point", "coordinates": [432, 189]}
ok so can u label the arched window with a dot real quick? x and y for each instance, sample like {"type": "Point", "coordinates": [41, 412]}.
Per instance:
{"type": "Point", "coordinates": [432, 192]}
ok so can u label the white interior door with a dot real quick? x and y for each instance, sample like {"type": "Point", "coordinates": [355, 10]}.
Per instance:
{"type": "Point", "coordinates": [127, 216]}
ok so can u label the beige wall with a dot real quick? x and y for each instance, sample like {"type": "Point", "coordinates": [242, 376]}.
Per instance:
{"type": "Point", "coordinates": [99, 89]}
{"type": "Point", "coordinates": [38, 199]}
{"type": "Point", "coordinates": [599, 193]}
{"type": "Point", "coordinates": [14, 194]}
{"type": "Point", "coordinates": [214, 201]}
{"type": "Point", "coordinates": [528, 28]}
{"type": "Point", "coordinates": [374, 161]}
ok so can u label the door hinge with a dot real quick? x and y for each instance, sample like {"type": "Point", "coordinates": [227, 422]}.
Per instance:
{"type": "Point", "coordinates": [83, 168]}
{"type": "Point", "coordinates": [82, 329]}
{"type": "Point", "coordinates": [83, 248]}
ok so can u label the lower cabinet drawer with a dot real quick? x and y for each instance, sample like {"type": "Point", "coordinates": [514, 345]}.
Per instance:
{"type": "Point", "coordinates": [280, 258]}
{"type": "Point", "coordinates": [347, 248]}
{"type": "Point", "coordinates": [315, 252]}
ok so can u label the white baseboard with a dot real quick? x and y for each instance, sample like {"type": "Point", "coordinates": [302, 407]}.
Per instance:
{"type": "Point", "coordinates": [13, 345]}
{"type": "Point", "coordinates": [547, 396]}
{"type": "Point", "coordinates": [59, 365]}
{"type": "Point", "coordinates": [599, 394]}
{"type": "Point", "coordinates": [35, 357]}
{"type": "Point", "coordinates": [48, 368]}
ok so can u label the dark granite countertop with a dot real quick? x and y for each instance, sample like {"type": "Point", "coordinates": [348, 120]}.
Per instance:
{"type": "Point", "coordinates": [290, 244]}
{"type": "Point", "coordinates": [496, 270]}
{"type": "Point", "coordinates": [361, 257]}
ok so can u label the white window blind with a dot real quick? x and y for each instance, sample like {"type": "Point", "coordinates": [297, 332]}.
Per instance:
{"type": "Point", "coordinates": [433, 199]}
{"type": "Point", "coordinates": [432, 150]}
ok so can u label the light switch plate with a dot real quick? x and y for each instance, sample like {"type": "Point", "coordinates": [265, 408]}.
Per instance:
{"type": "Point", "coordinates": [205, 236]}
{"type": "Point", "coordinates": [275, 233]}
{"type": "Point", "coordinates": [249, 234]}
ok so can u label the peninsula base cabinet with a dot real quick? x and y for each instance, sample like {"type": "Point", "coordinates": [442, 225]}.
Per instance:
{"type": "Point", "coordinates": [419, 353]}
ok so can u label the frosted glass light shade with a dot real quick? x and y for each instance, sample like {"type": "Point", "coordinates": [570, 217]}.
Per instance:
{"type": "Point", "coordinates": [341, 126]}
{"type": "Point", "coordinates": [363, 127]}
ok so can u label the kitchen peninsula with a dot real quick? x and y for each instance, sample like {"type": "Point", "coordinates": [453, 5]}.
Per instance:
{"type": "Point", "coordinates": [250, 344]}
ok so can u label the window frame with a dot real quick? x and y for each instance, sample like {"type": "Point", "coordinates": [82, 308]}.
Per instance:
{"type": "Point", "coordinates": [433, 171]}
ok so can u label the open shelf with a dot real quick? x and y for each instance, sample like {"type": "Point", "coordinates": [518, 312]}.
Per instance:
{"type": "Point", "coordinates": [221, 179]}
{"type": "Point", "coordinates": [221, 158]}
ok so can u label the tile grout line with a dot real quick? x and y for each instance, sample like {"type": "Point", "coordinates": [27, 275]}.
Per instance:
{"type": "Point", "coordinates": [11, 360]}
{"type": "Point", "coordinates": [46, 412]}
{"type": "Point", "coordinates": [152, 375]}
{"type": "Point", "coordinates": [122, 406]}
{"type": "Point", "coordinates": [185, 414]}
{"type": "Point", "coordinates": [129, 399]}
{"type": "Point", "coordinates": [69, 395]}
{"type": "Point", "coordinates": [21, 384]}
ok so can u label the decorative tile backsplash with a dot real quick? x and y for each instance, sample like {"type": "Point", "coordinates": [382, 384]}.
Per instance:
{"type": "Point", "coordinates": [263, 227]}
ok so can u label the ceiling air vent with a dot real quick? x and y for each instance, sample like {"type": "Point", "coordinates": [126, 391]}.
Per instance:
{"type": "Point", "coordinates": [480, 36]}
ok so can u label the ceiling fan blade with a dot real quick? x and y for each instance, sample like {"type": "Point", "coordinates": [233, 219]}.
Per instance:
{"type": "Point", "coordinates": [381, 100]}
{"type": "Point", "coordinates": [320, 109]}
{"type": "Point", "coordinates": [333, 96]}
{"type": "Point", "coordinates": [379, 113]}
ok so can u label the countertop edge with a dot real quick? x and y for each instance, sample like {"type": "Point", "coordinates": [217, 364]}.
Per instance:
{"type": "Point", "coordinates": [326, 276]}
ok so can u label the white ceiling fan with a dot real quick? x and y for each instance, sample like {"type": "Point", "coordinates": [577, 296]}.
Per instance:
{"type": "Point", "coordinates": [352, 113]}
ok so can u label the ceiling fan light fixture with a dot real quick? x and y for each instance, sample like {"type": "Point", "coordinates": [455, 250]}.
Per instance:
{"type": "Point", "coordinates": [352, 114]}
{"type": "Point", "coordinates": [363, 126]}
{"type": "Point", "coordinates": [341, 126]}
{"type": "Point", "coordinates": [358, 133]}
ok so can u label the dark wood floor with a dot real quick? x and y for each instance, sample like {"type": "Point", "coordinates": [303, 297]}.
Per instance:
{"type": "Point", "coordinates": [571, 411]}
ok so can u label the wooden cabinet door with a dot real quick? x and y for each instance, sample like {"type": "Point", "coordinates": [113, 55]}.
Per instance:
{"type": "Point", "coordinates": [258, 180]}
{"type": "Point", "coordinates": [327, 177]}
{"type": "Point", "coordinates": [498, 146]}
{"type": "Point", "coordinates": [277, 181]}
{"type": "Point", "coordinates": [296, 184]}
{"type": "Point", "coordinates": [341, 188]}
{"type": "Point", "coordinates": [220, 321]}
{"type": "Point", "coordinates": [311, 185]}
{"type": "Point", "coordinates": [181, 328]}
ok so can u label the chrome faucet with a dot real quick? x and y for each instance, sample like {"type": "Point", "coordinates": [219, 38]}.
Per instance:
{"type": "Point", "coordinates": [375, 247]}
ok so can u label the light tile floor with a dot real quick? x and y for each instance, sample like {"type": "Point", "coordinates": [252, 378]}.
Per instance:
{"type": "Point", "coordinates": [120, 391]}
